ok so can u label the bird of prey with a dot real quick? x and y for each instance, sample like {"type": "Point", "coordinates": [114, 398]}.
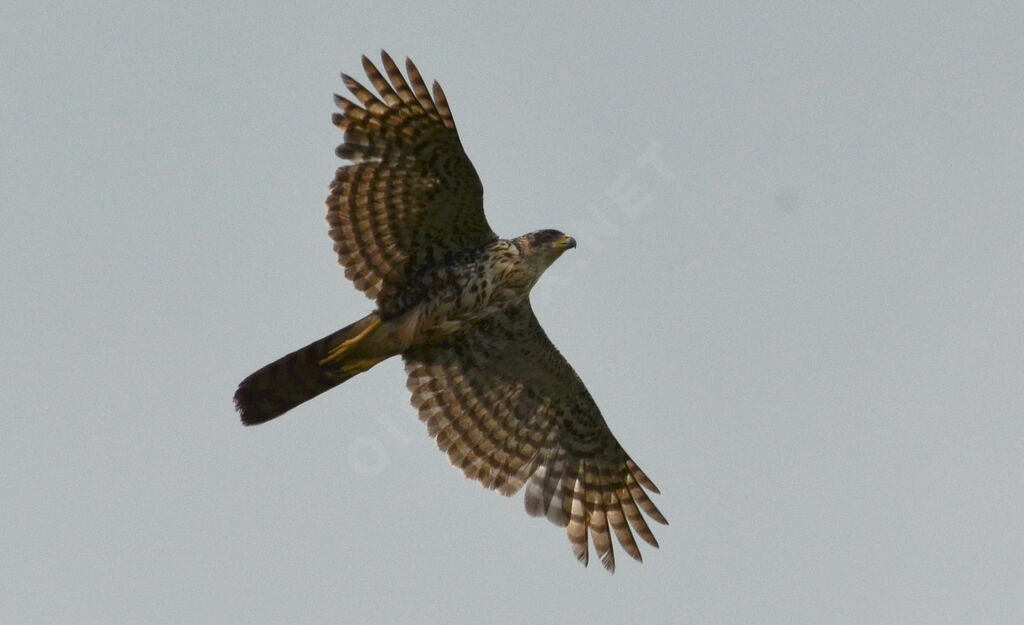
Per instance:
{"type": "Point", "coordinates": [452, 299]}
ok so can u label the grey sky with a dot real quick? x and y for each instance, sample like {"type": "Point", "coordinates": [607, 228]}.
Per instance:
{"type": "Point", "coordinates": [797, 298]}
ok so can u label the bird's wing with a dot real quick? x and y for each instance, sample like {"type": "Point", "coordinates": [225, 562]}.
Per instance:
{"type": "Point", "coordinates": [509, 410]}
{"type": "Point", "coordinates": [410, 199]}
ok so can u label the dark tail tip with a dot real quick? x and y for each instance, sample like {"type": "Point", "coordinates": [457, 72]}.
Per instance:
{"type": "Point", "coordinates": [297, 377]}
{"type": "Point", "coordinates": [251, 409]}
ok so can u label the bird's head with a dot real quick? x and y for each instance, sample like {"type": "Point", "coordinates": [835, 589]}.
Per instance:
{"type": "Point", "coordinates": [544, 246]}
{"type": "Point", "coordinates": [536, 251]}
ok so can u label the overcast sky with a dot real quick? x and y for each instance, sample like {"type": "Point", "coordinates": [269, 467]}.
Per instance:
{"type": "Point", "coordinates": [797, 297]}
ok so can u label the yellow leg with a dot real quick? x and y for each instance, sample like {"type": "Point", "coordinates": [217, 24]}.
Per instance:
{"type": "Point", "coordinates": [338, 353]}
{"type": "Point", "coordinates": [352, 368]}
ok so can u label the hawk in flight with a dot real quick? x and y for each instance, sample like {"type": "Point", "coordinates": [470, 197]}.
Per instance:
{"type": "Point", "coordinates": [452, 299]}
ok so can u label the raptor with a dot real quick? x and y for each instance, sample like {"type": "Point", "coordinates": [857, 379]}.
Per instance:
{"type": "Point", "coordinates": [452, 299]}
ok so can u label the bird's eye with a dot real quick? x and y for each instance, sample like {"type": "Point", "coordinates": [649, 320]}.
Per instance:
{"type": "Point", "coordinates": [547, 236]}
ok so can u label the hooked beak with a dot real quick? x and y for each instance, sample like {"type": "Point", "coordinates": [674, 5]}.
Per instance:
{"type": "Point", "coordinates": [565, 243]}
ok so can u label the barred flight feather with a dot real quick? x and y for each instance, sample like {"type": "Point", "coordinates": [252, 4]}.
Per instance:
{"type": "Point", "coordinates": [490, 395]}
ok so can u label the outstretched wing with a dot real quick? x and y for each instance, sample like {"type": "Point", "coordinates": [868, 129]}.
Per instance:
{"type": "Point", "coordinates": [509, 410]}
{"type": "Point", "coordinates": [411, 199]}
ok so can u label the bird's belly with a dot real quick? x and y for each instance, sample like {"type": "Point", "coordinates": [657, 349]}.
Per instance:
{"type": "Point", "coordinates": [447, 315]}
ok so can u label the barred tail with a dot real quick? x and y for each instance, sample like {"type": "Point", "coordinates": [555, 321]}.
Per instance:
{"type": "Point", "coordinates": [302, 375]}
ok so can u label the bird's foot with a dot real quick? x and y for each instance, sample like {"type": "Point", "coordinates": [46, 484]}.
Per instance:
{"type": "Point", "coordinates": [338, 352]}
